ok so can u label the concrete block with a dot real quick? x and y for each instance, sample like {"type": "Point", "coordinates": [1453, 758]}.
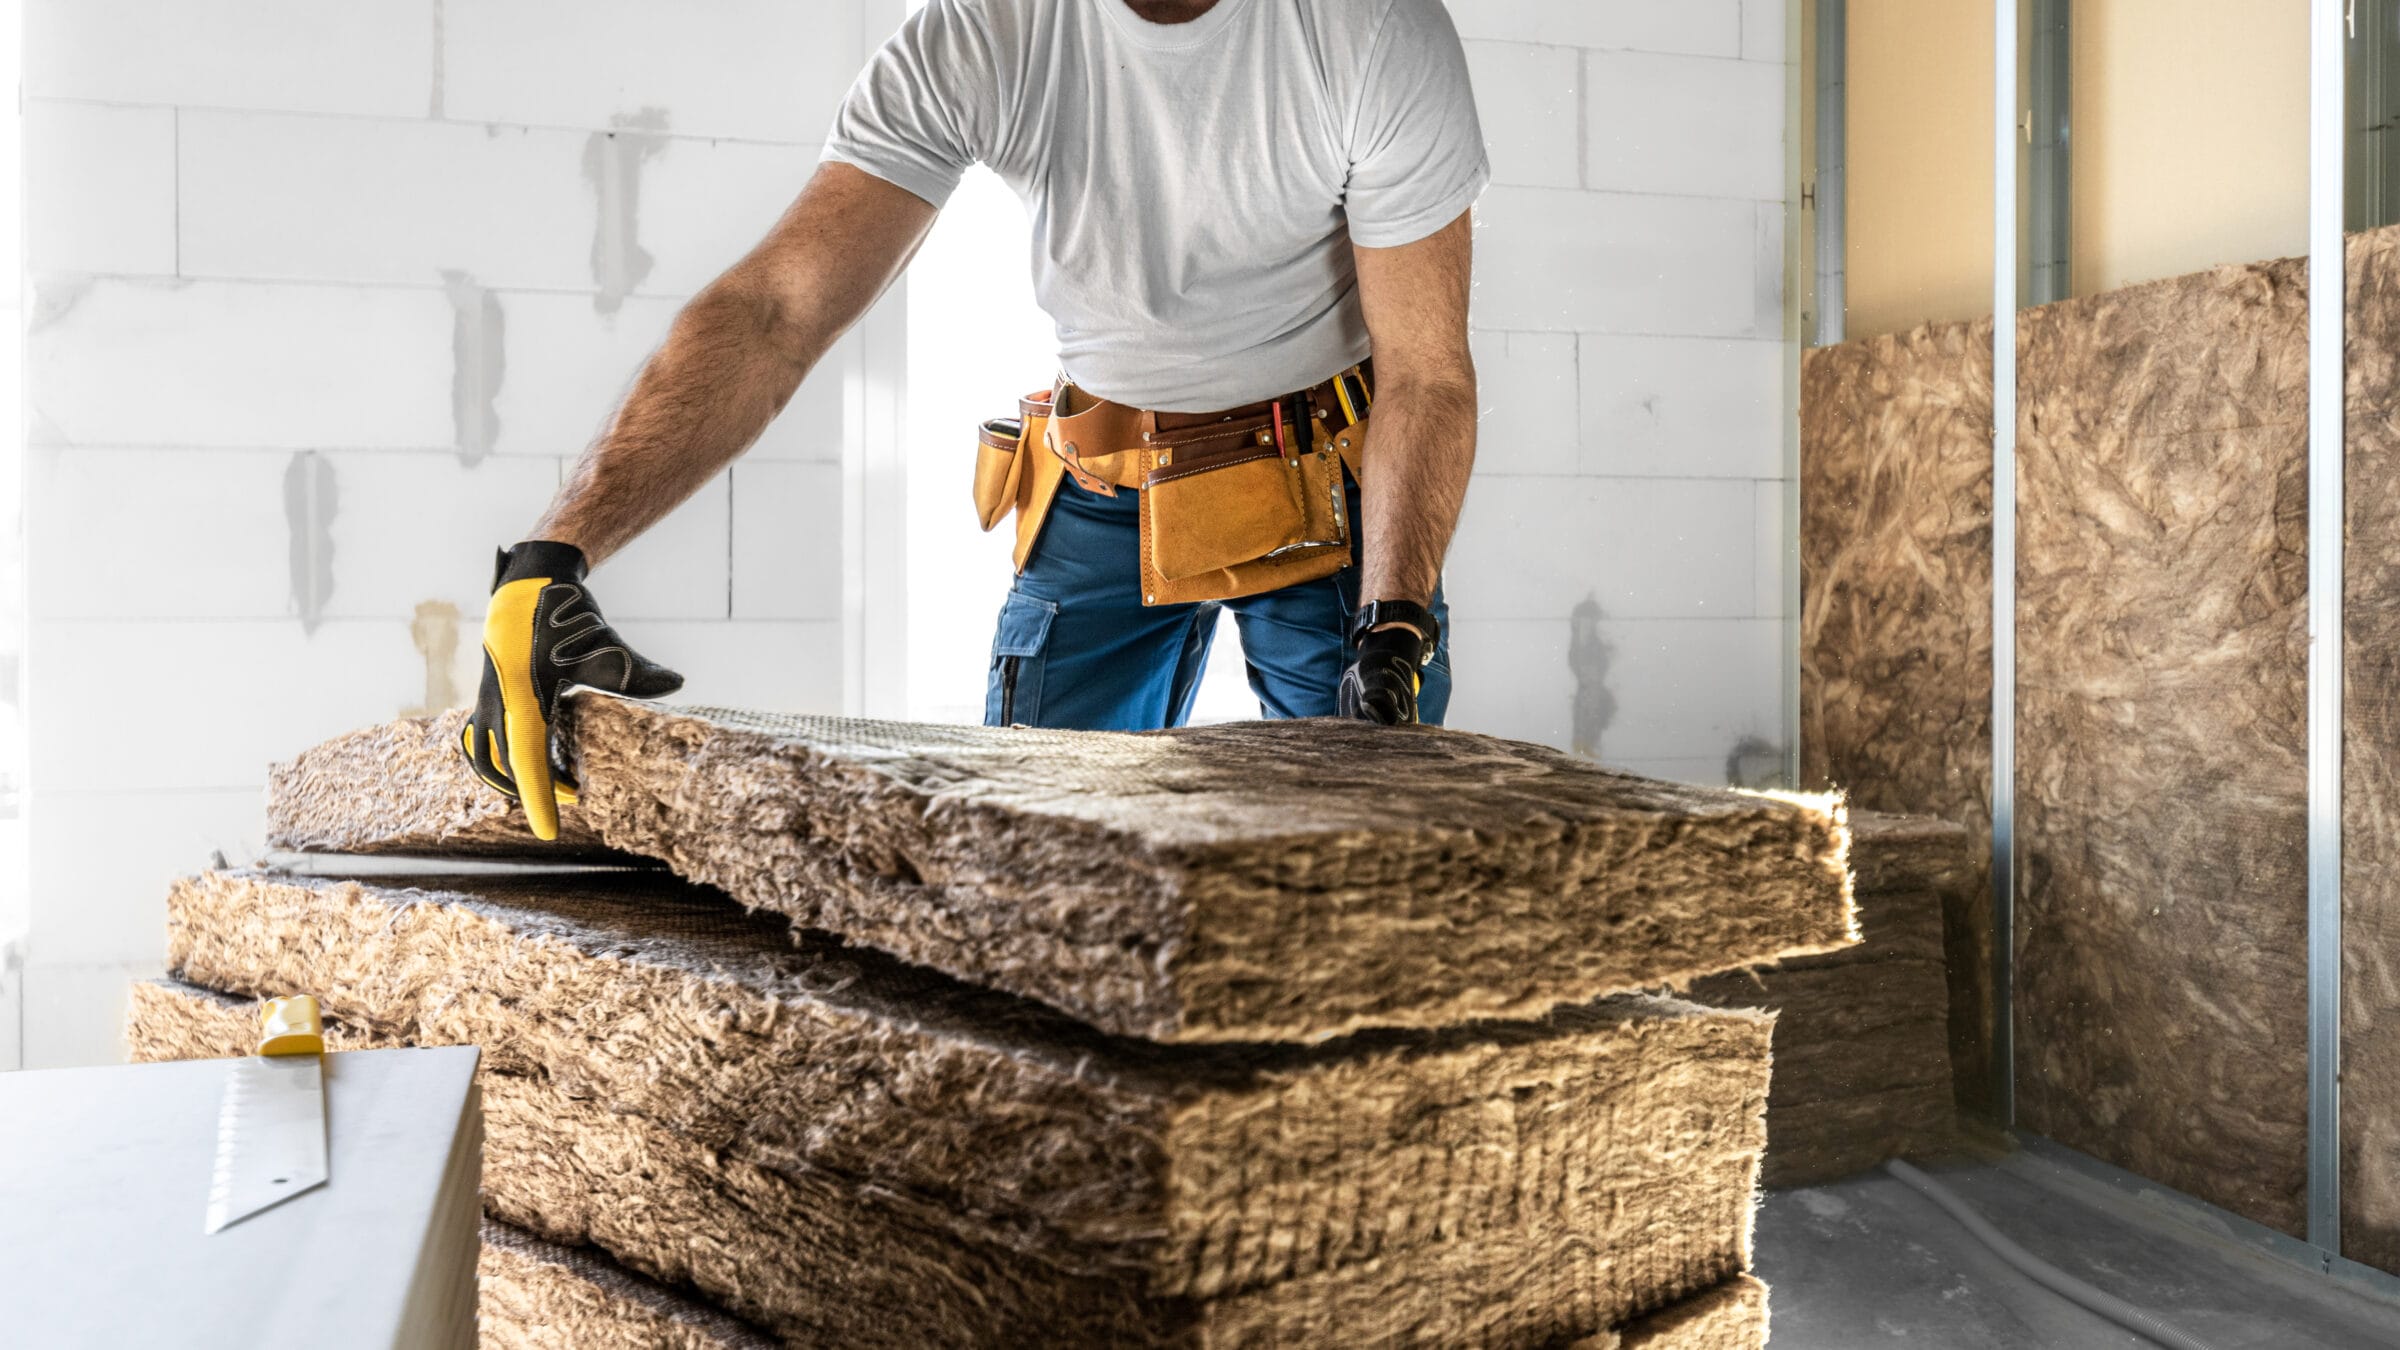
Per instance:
{"type": "Point", "coordinates": [703, 204]}
{"type": "Point", "coordinates": [102, 862]}
{"type": "Point", "coordinates": [1694, 27]}
{"type": "Point", "coordinates": [567, 365]}
{"type": "Point", "coordinates": [1512, 678]}
{"type": "Point", "coordinates": [220, 534]}
{"type": "Point", "coordinates": [99, 188]}
{"type": "Point", "coordinates": [1704, 772]}
{"type": "Point", "coordinates": [783, 664]}
{"type": "Point", "coordinates": [195, 534]}
{"type": "Point", "coordinates": [75, 1014]}
{"type": "Point", "coordinates": [359, 199]}
{"type": "Point", "coordinates": [242, 695]}
{"type": "Point", "coordinates": [681, 568]}
{"type": "Point", "coordinates": [1535, 548]}
{"type": "Point", "coordinates": [1527, 99]}
{"type": "Point", "coordinates": [1684, 125]}
{"type": "Point", "coordinates": [1634, 694]}
{"type": "Point", "coordinates": [412, 529]}
{"type": "Point", "coordinates": [1766, 271]}
{"type": "Point", "coordinates": [1612, 263]}
{"type": "Point", "coordinates": [233, 364]}
{"type": "Point", "coordinates": [748, 69]}
{"type": "Point", "coordinates": [1764, 31]}
{"type": "Point", "coordinates": [1773, 551]}
{"type": "Point", "coordinates": [1682, 407]}
{"type": "Point", "coordinates": [1526, 385]}
{"type": "Point", "coordinates": [787, 540]}
{"type": "Point", "coordinates": [362, 56]}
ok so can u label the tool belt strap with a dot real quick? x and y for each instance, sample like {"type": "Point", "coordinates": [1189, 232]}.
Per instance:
{"type": "Point", "coordinates": [1106, 445]}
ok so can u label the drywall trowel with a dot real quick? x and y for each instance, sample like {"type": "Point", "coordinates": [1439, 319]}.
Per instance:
{"type": "Point", "coordinates": [271, 1120]}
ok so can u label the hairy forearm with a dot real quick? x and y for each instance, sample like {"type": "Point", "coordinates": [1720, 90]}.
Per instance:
{"type": "Point", "coordinates": [736, 354]}
{"type": "Point", "coordinates": [721, 377]}
{"type": "Point", "coordinates": [1420, 449]}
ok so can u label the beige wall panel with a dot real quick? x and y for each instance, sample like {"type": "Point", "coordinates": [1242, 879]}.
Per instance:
{"type": "Point", "coordinates": [1919, 244]}
{"type": "Point", "coordinates": [2190, 126]}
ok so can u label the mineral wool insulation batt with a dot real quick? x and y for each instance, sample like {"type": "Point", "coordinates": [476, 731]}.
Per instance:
{"type": "Point", "coordinates": [1254, 881]}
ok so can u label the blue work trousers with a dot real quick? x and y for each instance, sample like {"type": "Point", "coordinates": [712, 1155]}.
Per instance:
{"type": "Point", "coordinates": [1077, 648]}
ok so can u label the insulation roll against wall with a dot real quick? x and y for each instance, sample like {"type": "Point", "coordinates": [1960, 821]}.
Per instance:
{"type": "Point", "coordinates": [1896, 612]}
{"type": "Point", "coordinates": [2161, 700]}
{"type": "Point", "coordinates": [662, 1065]}
{"type": "Point", "coordinates": [2371, 759]}
{"type": "Point", "coordinates": [2162, 919]}
{"type": "Point", "coordinates": [1246, 882]}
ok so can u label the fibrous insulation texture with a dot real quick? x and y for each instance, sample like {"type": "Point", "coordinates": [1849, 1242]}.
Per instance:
{"type": "Point", "coordinates": [2161, 923]}
{"type": "Point", "coordinates": [660, 1065]}
{"type": "Point", "coordinates": [403, 787]}
{"type": "Point", "coordinates": [537, 1295]}
{"type": "Point", "coordinates": [1896, 610]}
{"type": "Point", "coordinates": [1253, 881]}
{"type": "Point", "coordinates": [1732, 1316]}
{"type": "Point", "coordinates": [2371, 759]}
{"type": "Point", "coordinates": [1862, 1058]}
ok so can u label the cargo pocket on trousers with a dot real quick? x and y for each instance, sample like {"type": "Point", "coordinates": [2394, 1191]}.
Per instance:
{"type": "Point", "coordinates": [1018, 649]}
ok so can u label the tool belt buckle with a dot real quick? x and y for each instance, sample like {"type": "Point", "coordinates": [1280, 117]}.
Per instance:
{"type": "Point", "coordinates": [1072, 456]}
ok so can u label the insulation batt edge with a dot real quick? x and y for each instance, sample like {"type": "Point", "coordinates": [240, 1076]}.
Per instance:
{"type": "Point", "coordinates": [833, 1119]}
{"type": "Point", "coordinates": [1862, 1057]}
{"type": "Point", "coordinates": [536, 1295]}
{"type": "Point", "coordinates": [1247, 882]}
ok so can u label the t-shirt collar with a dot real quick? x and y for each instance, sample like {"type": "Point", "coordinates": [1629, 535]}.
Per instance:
{"type": "Point", "coordinates": [1170, 36]}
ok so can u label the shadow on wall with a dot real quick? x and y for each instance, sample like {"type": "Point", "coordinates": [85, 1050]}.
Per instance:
{"type": "Point", "coordinates": [1588, 656]}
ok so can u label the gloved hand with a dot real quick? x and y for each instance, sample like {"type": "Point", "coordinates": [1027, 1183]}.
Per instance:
{"type": "Point", "coordinates": [542, 634]}
{"type": "Point", "coordinates": [1381, 685]}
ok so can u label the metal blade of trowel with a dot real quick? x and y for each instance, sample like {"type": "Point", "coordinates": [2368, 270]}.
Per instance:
{"type": "Point", "coordinates": [271, 1118]}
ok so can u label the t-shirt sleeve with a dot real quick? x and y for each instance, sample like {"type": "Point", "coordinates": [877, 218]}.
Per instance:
{"type": "Point", "coordinates": [918, 115]}
{"type": "Point", "coordinates": [1416, 148]}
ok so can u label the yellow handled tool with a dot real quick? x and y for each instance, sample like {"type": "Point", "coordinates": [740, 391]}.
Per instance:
{"type": "Point", "coordinates": [271, 1118]}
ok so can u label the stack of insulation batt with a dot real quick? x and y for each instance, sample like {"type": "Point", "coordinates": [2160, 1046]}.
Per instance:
{"type": "Point", "coordinates": [1300, 1034]}
{"type": "Point", "coordinates": [1862, 1052]}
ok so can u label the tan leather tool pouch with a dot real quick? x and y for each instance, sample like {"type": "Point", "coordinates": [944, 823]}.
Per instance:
{"type": "Point", "coordinates": [1222, 521]}
{"type": "Point", "coordinates": [999, 470]}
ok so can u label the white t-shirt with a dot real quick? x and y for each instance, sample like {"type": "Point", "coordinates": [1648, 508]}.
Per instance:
{"type": "Point", "coordinates": [1194, 188]}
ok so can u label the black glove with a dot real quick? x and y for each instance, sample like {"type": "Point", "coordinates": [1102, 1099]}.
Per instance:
{"type": "Point", "coordinates": [542, 634]}
{"type": "Point", "coordinates": [1381, 685]}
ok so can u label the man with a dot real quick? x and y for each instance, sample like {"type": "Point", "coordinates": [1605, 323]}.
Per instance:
{"type": "Point", "coordinates": [1234, 204]}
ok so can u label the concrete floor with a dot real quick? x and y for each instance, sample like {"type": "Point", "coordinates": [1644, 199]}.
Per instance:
{"type": "Point", "coordinates": [1867, 1262]}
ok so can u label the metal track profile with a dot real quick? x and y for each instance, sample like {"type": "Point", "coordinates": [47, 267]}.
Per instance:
{"type": "Point", "coordinates": [2328, 31]}
{"type": "Point", "coordinates": [2004, 554]}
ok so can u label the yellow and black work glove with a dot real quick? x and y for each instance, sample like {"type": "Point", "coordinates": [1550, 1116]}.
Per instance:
{"type": "Point", "coordinates": [1381, 684]}
{"type": "Point", "coordinates": [542, 634]}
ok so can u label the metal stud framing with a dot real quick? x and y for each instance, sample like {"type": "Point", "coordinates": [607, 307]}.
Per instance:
{"type": "Point", "coordinates": [2004, 555]}
{"type": "Point", "coordinates": [2327, 31]}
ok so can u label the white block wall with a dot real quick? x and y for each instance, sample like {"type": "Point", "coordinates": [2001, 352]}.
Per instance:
{"type": "Point", "coordinates": [1617, 584]}
{"type": "Point", "coordinates": [322, 298]}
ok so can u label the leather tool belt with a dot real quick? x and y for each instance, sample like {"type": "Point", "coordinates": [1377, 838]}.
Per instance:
{"type": "Point", "coordinates": [1233, 503]}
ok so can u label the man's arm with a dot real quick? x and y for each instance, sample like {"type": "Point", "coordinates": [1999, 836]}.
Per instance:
{"type": "Point", "coordinates": [1422, 445]}
{"type": "Point", "coordinates": [731, 362]}
{"type": "Point", "coordinates": [736, 354]}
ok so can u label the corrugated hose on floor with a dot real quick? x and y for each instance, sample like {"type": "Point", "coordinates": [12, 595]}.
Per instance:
{"type": "Point", "coordinates": [2137, 1320]}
